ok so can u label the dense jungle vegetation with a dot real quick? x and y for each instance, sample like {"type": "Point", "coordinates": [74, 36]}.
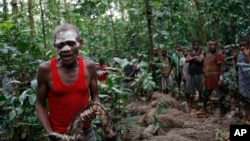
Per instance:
{"type": "Point", "coordinates": [108, 27]}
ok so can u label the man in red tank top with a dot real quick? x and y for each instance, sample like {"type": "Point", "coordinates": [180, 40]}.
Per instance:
{"type": "Point", "coordinates": [66, 82]}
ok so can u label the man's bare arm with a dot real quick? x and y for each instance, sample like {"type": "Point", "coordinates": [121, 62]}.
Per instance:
{"type": "Point", "coordinates": [247, 54]}
{"type": "Point", "coordinates": [42, 92]}
{"type": "Point", "coordinates": [93, 85]}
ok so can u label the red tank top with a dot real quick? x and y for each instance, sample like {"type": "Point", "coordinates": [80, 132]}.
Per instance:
{"type": "Point", "coordinates": [102, 77]}
{"type": "Point", "coordinates": [66, 100]}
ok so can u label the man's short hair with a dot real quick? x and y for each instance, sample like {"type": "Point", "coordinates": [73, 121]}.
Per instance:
{"type": "Point", "coordinates": [195, 41]}
{"type": "Point", "coordinates": [244, 40]}
{"type": "Point", "coordinates": [66, 27]}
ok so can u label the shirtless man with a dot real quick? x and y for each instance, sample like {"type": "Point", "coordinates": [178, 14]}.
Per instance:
{"type": "Point", "coordinates": [66, 82]}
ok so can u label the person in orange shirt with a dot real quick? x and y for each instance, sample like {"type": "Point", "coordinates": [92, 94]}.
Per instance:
{"type": "Point", "coordinates": [213, 73]}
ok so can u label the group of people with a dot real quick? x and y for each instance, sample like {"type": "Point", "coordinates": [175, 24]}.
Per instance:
{"type": "Point", "coordinates": [202, 71]}
{"type": "Point", "coordinates": [70, 82]}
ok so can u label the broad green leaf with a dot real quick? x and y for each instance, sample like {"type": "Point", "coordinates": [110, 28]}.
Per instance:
{"type": "Point", "coordinates": [23, 96]}
{"type": "Point", "coordinates": [12, 115]}
{"type": "Point", "coordinates": [19, 110]}
{"type": "Point", "coordinates": [32, 99]}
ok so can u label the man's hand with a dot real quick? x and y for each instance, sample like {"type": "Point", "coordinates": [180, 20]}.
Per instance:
{"type": "Point", "coordinates": [53, 136]}
{"type": "Point", "coordinates": [88, 115]}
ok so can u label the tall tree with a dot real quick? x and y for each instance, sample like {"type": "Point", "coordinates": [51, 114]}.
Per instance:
{"type": "Point", "coordinates": [5, 10]}
{"type": "Point", "coordinates": [113, 27]}
{"type": "Point", "coordinates": [148, 12]}
{"type": "Point", "coordinates": [31, 18]}
{"type": "Point", "coordinates": [67, 11]}
{"type": "Point", "coordinates": [43, 23]}
{"type": "Point", "coordinates": [14, 7]}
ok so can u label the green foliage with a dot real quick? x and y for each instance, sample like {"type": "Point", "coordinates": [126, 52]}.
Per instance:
{"type": "Point", "coordinates": [178, 21]}
{"type": "Point", "coordinates": [18, 114]}
{"type": "Point", "coordinates": [162, 108]}
{"type": "Point", "coordinates": [221, 135]}
{"type": "Point", "coordinates": [17, 52]}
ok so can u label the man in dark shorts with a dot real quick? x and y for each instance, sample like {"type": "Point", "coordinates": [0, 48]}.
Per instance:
{"type": "Point", "coordinates": [195, 70]}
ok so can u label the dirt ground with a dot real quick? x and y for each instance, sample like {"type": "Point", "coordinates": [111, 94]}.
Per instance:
{"type": "Point", "coordinates": [163, 118]}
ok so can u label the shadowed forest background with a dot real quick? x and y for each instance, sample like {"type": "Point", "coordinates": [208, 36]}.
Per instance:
{"type": "Point", "coordinates": [108, 28]}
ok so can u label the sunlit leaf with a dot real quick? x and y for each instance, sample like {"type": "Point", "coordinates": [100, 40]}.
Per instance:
{"type": "Point", "coordinates": [12, 115]}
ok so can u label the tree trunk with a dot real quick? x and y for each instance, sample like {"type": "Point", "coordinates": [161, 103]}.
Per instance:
{"type": "Point", "coordinates": [14, 7]}
{"type": "Point", "coordinates": [5, 10]}
{"type": "Point", "coordinates": [113, 28]}
{"type": "Point", "coordinates": [201, 23]}
{"type": "Point", "coordinates": [122, 9]}
{"type": "Point", "coordinates": [43, 24]}
{"type": "Point", "coordinates": [67, 12]}
{"type": "Point", "coordinates": [150, 24]}
{"type": "Point", "coordinates": [31, 18]}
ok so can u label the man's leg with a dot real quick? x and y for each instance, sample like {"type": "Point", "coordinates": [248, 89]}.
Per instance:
{"type": "Point", "coordinates": [198, 80]}
{"type": "Point", "coordinates": [205, 99]}
{"type": "Point", "coordinates": [190, 89]}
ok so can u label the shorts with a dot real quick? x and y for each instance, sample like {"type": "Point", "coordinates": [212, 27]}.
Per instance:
{"type": "Point", "coordinates": [194, 82]}
{"type": "Point", "coordinates": [89, 134]}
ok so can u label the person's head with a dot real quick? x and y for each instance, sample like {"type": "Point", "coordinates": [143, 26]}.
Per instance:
{"type": "Point", "coordinates": [244, 44]}
{"type": "Point", "coordinates": [213, 44]}
{"type": "Point", "coordinates": [177, 48]}
{"type": "Point", "coordinates": [139, 57]}
{"type": "Point", "coordinates": [195, 44]}
{"type": "Point", "coordinates": [127, 57]}
{"type": "Point", "coordinates": [155, 52]}
{"type": "Point", "coordinates": [67, 42]}
{"type": "Point", "coordinates": [23, 72]}
{"type": "Point", "coordinates": [164, 52]}
{"type": "Point", "coordinates": [185, 51]}
{"type": "Point", "coordinates": [101, 61]}
{"type": "Point", "coordinates": [116, 55]}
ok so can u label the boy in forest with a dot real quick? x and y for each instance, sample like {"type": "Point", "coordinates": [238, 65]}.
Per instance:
{"type": "Point", "coordinates": [66, 82]}
{"type": "Point", "coordinates": [243, 65]}
{"type": "Point", "coordinates": [166, 79]}
{"type": "Point", "coordinates": [184, 71]}
{"type": "Point", "coordinates": [24, 81]}
{"type": "Point", "coordinates": [176, 65]}
{"type": "Point", "coordinates": [129, 72]}
{"type": "Point", "coordinates": [195, 71]}
{"type": "Point", "coordinates": [213, 75]}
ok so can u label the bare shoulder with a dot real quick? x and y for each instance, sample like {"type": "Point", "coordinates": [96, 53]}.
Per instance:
{"type": "Point", "coordinates": [89, 63]}
{"type": "Point", "coordinates": [43, 70]}
{"type": "Point", "coordinates": [45, 66]}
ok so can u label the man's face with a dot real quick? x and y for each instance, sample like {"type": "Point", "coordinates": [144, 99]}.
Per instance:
{"type": "Point", "coordinates": [243, 45]}
{"type": "Point", "coordinates": [186, 52]}
{"type": "Point", "coordinates": [178, 48]}
{"type": "Point", "coordinates": [127, 58]}
{"type": "Point", "coordinates": [67, 46]}
{"type": "Point", "coordinates": [22, 72]}
{"type": "Point", "coordinates": [164, 53]}
{"type": "Point", "coordinates": [196, 45]}
{"type": "Point", "coordinates": [213, 45]}
{"type": "Point", "coordinates": [155, 52]}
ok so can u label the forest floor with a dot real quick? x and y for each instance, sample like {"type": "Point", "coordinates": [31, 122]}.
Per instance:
{"type": "Point", "coordinates": [163, 118]}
